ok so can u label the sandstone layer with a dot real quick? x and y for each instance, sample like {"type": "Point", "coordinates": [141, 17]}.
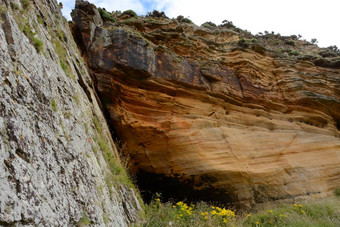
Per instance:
{"type": "Point", "coordinates": [53, 170]}
{"type": "Point", "coordinates": [206, 115]}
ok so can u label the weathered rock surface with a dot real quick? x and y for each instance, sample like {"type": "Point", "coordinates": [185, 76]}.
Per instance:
{"type": "Point", "coordinates": [52, 131]}
{"type": "Point", "coordinates": [224, 122]}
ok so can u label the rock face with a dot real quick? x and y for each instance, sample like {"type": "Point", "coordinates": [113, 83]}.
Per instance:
{"type": "Point", "coordinates": [203, 114]}
{"type": "Point", "coordinates": [56, 152]}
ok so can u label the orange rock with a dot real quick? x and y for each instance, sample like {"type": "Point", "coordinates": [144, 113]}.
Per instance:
{"type": "Point", "coordinates": [240, 125]}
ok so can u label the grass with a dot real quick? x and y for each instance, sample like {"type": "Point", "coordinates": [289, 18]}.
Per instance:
{"type": "Point", "coordinates": [317, 212]}
{"type": "Point", "coordinates": [62, 53]}
{"type": "Point", "coordinates": [182, 214]}
{"type": "Point", "coordinates": [37, 43]}
{"type": "Point", "coordinates": [84, 221]}
{"type": "Point", "coordinates": [106, 16]}
{"type": "Point", "coordinates": [54, 105]}
{"type": "Point", "coordinates": [337, 192]}
{"type": "Point", "coordinates": [117, 172]}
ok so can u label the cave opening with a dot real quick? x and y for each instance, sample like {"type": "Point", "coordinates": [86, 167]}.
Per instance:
{"type": "Point", "coordinates": [173, 189]}
{"type": "Point", "coordinates": [337, 124]}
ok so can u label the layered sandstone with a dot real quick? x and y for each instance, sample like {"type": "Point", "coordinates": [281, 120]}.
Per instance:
{"type": "Point", "coordinates": [227, 122]}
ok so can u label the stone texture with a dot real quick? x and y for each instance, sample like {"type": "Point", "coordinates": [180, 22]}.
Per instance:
{"type": "Point", "coordinates": [204, 117]}
{"type": "Point", "coordinates": [52, 172]}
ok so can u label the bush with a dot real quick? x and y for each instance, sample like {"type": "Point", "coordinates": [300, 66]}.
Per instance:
{"type": "Point", "coordinates": [105, 15]}
{"type": "Point", "coordinates": [227, 24]}
{"type": "Point", "coordinates": [294, 53]}
{"type": "Point", "coordinates": [290, 42]}
{"type": "Point", "coordinates": [157, 14]}
{"type": "Point", "coordinates": [182, 19]}
{"type": "Point", "coordinates": [14, 6]}
{"type": "Point", "coordinates": [333, 48]}
{"type": "Point", "coordinates": [243, 43]}
{"type": "Point", "coordinates": [130, 13]}
{"type": "Point", "coordinates": [209, 24]}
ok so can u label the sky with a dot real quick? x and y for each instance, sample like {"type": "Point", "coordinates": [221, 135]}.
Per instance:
{"type": "Point", "coordinates": [310, 18]}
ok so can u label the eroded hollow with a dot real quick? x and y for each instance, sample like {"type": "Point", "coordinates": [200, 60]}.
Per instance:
{"type": "Point", "coordinates": [174, 189]}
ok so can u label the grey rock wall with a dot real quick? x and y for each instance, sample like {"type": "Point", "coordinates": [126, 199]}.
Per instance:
{"type": "Point", "coordinates": [58, 163]}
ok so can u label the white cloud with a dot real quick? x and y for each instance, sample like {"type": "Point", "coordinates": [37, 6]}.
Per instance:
{"type": "Point", "coordinates": [113, 5]}
{"type": "Point", "coordinates": [310, 18]}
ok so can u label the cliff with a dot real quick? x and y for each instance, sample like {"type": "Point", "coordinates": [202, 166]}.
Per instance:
{"type": "Point", "coordinates": [216, 113]}
{"type": "Point", "coordinates": [58, 163]}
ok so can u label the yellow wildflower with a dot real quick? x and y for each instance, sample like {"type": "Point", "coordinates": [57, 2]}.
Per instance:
{"type": "Point", "coordinates": [295, 205]}
{"type": "Point", "coordinates": [206, 218]}
{"type": "Point", "coordinates": [212, 207]}
{"type": "Point", "coordinates": [300, 205]}
{"type": "Point", "coordinates": [249, 215]}
{"type": "Point", "coordinates": [258, 222]}
{"type": "Point", "coordinates": [174, 206]}
{"type": "Point", "coordinates": [270, 211]}
{"type": "Point", "coordinates": [225, 220]}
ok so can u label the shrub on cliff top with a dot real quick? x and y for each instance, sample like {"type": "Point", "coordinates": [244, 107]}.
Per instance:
{"type": "Point", "coordinates": [157, 14]}
{"type": "Point", "coordinates": [183, 19]}
{"type": "Point", "coordinates": [130, 13]}
{"type": "Point", "coordinates": [209, 24]}
{"type": "Point", "coordinates": [105, 15]}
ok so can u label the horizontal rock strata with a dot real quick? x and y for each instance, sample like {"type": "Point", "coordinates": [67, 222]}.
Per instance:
{"type": "Point", "coordinates": [241, 125]}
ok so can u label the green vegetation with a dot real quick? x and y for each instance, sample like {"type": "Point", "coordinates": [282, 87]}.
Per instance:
{"type": "Point", "coordinates": [105, 15]}
{"type": "Point", "coordinates": [54, 105]}
{"type": "Point", "coordinates": [244, 43]}
{"type": "Point", "coordinates": [130, 13]}
{"type": "Point", "coordinates": [97, 124]}
{"type": "Point", "coordinates": [64, 131]}
{"type": "Point", "coordinates": [182, 19]}
{"type": "Point", "coordinates": [290, 42]}
{"type": "Point", "coordinates": [84, 221]}
{"type": "Point", "coordinates": [117, 172]}
{"type": "Point", "coordinates": [337, 192]}
{"type": "Point", "coordinates": [62, 53]}
{"type": "Point", "coordinates": [181, 214]}
{"type": "Point", "coordinates": [14, 6]}
{"type": "Point", "coordinates": [318, 212]}
{"type": "Point", "coordinates": [27, 30]}
{"type": "Point", "coordinates": [294, 53]}
{"type": "Point", "coordinates": [25, 3]}
{"type": "Point", "coordinates": [157, 14]}
{"type": "Point", "coordinates": [209, 25]}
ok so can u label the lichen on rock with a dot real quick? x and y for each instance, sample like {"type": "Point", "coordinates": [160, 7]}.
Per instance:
{"type": "Point", "coordinates": [50, 174]}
